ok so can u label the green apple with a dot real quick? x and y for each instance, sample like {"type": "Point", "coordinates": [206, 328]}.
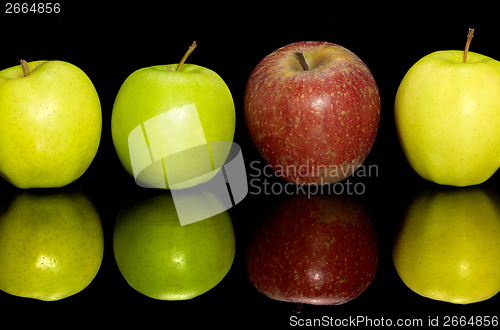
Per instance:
{"type": "Point", "coordinates": [50, 124]}
{"type": "Point", "coordinates": [51, 244]}
{"type": "Point", "coordinates": [447, 115]}
{"type": "Point", "coordinates": [448, 245]}
{"type": "Point", "coordinates": [164, 260]}
{"type": "Point", "coordinates": [165, 110]}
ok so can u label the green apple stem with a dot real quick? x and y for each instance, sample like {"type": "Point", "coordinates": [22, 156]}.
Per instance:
{"type": "Point", "coordinates": [302, 60]}
{"type": "Point", "coordinates": [189, 51]}
{"type": "Point", "coordinates": [469, 39]}
{"type": "Point", "coordinates": [26, 69]}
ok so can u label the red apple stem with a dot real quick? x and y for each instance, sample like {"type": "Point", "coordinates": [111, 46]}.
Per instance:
{"type": "Point", "coordinates": [189, 51]}
{"type": "Point", "coordinates": [302, 60]}
{"type": "Point", "coordinates": [469, 39]}
{"type": "Point", "coordinates": [298, 308]}
{"type": "Point", "coordinates": [26, 69]}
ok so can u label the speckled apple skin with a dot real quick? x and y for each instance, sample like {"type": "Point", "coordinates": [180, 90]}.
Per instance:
{"type": "Point", "coordinates": [320, 251]}
{"type": "Point", "coordinates": [50, 124]}
{"type": "Point", "coordinates": [320, 124]}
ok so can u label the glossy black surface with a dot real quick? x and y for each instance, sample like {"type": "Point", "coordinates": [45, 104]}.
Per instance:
{"type": "Point", "coordinates": [110, 42]}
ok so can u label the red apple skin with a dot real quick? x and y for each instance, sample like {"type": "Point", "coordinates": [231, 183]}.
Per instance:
{"type": "Point", "coordinates": [317, 126]}
{"type": "Point", "coordinates": [320, 251]}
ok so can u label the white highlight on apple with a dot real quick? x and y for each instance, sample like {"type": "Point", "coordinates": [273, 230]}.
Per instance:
{"type": "Point", "coordinates": [46, 262]}
{"type": "Point", "coordinates": [200, 192]}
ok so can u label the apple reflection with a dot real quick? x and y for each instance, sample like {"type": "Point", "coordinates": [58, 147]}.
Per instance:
{"type": "Point", "coordinates": [448, 245]}
{"type": "Point", "coordinates": [320, 250]}
{"type": "Point", "coordinates": [164, 260]}
{"type": "Point", "coordinates": [51, 244]}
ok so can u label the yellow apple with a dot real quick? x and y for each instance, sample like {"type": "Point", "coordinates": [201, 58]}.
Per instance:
{"type": "Point", "coordinates": [50, 124]}
{"type": "Point", "coordinates": [447, 115]}
{"type": "Point", "coordinates": [448, 245]}
{"type": "Point", "coordinates": [51, 244]}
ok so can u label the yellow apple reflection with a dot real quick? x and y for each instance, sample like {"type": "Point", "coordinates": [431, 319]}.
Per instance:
{"type": "Point", "coordinates": [448, 245]}
{"type": "Point", "coordinates": [51, 244]}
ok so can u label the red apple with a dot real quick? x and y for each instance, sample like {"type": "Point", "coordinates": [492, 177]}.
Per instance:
{"type": "Point", "coordinates": [320, 251]}
{"type": "Point", "coordinates": [314, 120]}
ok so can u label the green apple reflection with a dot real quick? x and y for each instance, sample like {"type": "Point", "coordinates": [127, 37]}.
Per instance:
{"type": "Point", "coordinates": [164, 260]}
{"type": "Point", "coordinates": [51, 244]}
{"type": "Point", "coordinates": [448, 247]}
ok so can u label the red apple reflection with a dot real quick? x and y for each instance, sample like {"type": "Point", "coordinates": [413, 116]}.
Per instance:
{"type": "Point", "coordinates": [321, 250]}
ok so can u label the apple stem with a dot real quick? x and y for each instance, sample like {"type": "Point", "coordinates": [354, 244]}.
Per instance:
{"type": "Point", "coordinates": [298, 308]}
{"type": "Point", "coordinates": [26, 69]}
{"type": "Point", "coordinates": [469, 38]}
{"type": "Point", "coordinates": [302, 60]}
{"type": "Point", "coordinates": [189, 51]}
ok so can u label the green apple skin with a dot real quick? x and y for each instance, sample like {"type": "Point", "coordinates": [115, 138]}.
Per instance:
{"type": "Point", "coordinates": [50, 124]}
{"type": "Point", "coordinates": [151, 91]}
{"type": "Point", "coordinates": [447, 115]}
{"type": "Point", "coordinates": [51, 245]}
{"type": "Point", "coordinates": [164, 260]}
{"type": "Point", "coordinates": [448, 245]}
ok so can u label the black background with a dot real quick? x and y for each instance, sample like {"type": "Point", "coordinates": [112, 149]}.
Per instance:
{"type": "Point", "coordinates": [110, 42]}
